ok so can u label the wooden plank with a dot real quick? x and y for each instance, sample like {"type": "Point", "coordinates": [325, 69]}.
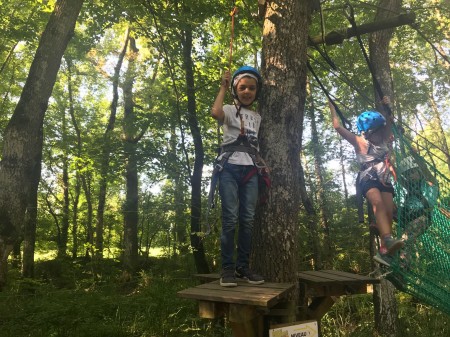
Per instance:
{"type": "Point", "coordinates": [248, 287]}
{"type": "Point", "coordinates": [368, 279]}
{"type": "Point", "coordinates": [265, 295]}
{"type": "Point", "coordinates": [241, 313]}
{"type": "Point", "coordinates": [310, 275]}
{"type": "Point", "coordinates": [332, 276]}
{"type": "Point", "coordinates": [313, 290]}
{"type": "Point", "coordinates": [320, 306]}
{"type": "Point", "coordinates": [207, 309]}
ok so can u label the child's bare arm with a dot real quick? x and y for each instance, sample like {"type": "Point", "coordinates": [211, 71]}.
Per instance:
{"type": "Point", "coordinates": [217, 108]}
{"type": "Point", "coordinates": [347, 135]}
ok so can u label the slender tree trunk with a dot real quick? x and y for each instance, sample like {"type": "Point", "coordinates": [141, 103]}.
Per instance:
{"type": "Point", "coordinates": [23, 136]}
{"type": "Point", "coordinates": [77, 187]}
{"type": "Point", "coordinates": [344, 179]}
{"type": "Point", "coordinates": [180, 230]}
{"type": "Point", "coordinates": [29, 233]}
{"type": "Point", "coordinates": [131, 207]}
{"type": "Point", "coordinates": [106, 152]}
{"type": "Point", "coordinates": [386, 311]}
{"type": "Point", "coordinates": [196, 177]}
{"type": "Point", "coordinates": [75, 201]}
{"type": "Point", "coordinates": [86, 184]}
{"type": "Point", "coordinates": [62, 244]}
{"type": "Point", "coordinates": [312, 222]}
{"type": "Point", "coordinates": [318, 169]}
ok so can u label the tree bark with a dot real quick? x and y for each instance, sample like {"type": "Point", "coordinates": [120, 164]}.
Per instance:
{"type": "Point", "coordinates": [282, 105]}
{"type": "Point", "coordinates": [312, 222]}
{"type": "Point", "coordinates": [23, 136]}
{"type": "Point", "coordinates": [62, 243]}
{"type": "Point", "coordinates": [131, 207]}
{"type": "Point", "coordinates": [196, 177]}
{"type": "Point", "coordinates": [318, 170]}
{"type": "Point", "coordinates": [29, 235]}
{"type": "Point", "coordinates": [77, 186]}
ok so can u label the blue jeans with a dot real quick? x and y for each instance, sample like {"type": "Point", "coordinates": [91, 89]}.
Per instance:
{"type": "Point", "coordinates": [238, 205]}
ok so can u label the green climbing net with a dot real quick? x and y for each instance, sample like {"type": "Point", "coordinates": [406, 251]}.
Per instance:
{"type": "Point", "coordinates": [422, 195]}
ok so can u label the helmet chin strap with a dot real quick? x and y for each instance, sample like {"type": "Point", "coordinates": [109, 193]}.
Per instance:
{"type": "Point", "coordinates": [244, 105]}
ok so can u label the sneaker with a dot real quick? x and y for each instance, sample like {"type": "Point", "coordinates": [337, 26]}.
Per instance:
{"type": "Point", "coordinates": [383, 259]}
{"type": "Point", "coordinates": [246, 274]}
{"type": "Point", "coordinates": [227, 278]}
{"type": "Point", "coordinates": [392, 245]}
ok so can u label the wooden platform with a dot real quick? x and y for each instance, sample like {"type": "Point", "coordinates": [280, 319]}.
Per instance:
{"type": "Point", "coordinates": [320, 289]}
{"type": "Point", "coordinates": [262, 296]}
{"type": "Point", "coordinates": [244, 305]}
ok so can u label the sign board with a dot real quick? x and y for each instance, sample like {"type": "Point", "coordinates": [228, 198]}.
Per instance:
{"type": "Point", "coordinates": [296, 329]}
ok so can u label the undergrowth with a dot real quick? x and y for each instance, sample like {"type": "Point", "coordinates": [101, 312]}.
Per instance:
{"type": "Point", "coordinates": [353, 316]}
{"type": "Point", "coordinates": [86, 299]}
{"type": "Point", "coordinates": [71, 300]}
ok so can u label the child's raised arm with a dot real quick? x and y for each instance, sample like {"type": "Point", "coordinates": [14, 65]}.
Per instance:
{"type": "Point", "coordinates": [347, 135]}
{"type": "Point", "coordinates": [217, 108]}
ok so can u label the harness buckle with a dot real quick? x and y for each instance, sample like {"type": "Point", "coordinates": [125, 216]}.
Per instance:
{"type": "Point", "coordinates": [218, 167]}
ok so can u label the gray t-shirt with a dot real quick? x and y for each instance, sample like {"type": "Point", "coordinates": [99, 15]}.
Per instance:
{"type": "Point", "coordinates": [232, 129]}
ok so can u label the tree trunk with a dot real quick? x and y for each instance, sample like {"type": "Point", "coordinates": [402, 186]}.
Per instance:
{"type": "Point", "coordinates": [62, 243]}
{"type": "Point", "coordinates": [106, 153]}
{"type": "Point", "coordinates": [196, 177]}
{"type": "Point", "coordinates": [29, 233]}
{"type": "Point", "coordinates": [318, 169]}
{"type": "Point", "coordinates": [86, 184]}
{"type": "Point", "coordinates": [23, 136]}
{"type": "Point", "coordinates": [131, 207]}
{"type": "Point", "coordinates": [282, 104]}
{"type": "Point", "coordinates": [344, 179]}
{"type": "Point", "coordinates": [386, 311]}
{"type": "Point", "coordinates": [180, 232]}
{"type": "Point", "coordinates": [76, 199]}
{"type": "Point", "coordinates": [312, 223]}
{"type": "Point", "coordinates": [77, 187]}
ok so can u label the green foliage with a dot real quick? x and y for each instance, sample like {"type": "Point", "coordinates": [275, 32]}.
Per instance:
{"type": "Point", "coordinates": [113, 304]}
{"type": "Point", "coordinates": [87, 299]}
{"type": "Point", "coordinates": [108, 305]}
{"type": "Point", "coordinates": [352, 316]}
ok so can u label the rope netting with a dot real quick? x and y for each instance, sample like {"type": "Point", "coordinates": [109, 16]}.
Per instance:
{"type": "Point", "coordinates": [422, 195]}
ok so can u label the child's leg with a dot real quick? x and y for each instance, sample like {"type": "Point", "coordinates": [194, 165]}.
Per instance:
{"type": "Point", "coordinates": [383, 219]}
{"type": "Point", "coordinates": [383, 209]}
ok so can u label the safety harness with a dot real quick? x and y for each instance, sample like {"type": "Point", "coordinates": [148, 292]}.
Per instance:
{"type": "Point", "coordinates": [376, 169]}
{"type": "Point", "coordinates": [241, 144]}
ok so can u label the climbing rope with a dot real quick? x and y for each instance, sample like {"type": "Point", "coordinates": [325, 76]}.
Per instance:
{"type": "Point", "coordinates": [233, 13]}
{"type": "Point", "coordinates": [350, 14]}
{"type": "Point", "coordinates": [215, 177]}
{"type": "Point", "coordinates": [345, 122]}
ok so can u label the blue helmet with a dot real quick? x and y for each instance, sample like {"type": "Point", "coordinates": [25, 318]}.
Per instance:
{"type": "Point", "coordinates": [253, 73]}
{"type": "Point", "coordinates": [370, 121]}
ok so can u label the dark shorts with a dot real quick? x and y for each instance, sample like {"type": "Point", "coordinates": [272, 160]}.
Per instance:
{"type": "Point", "coordinates": [368, 184]}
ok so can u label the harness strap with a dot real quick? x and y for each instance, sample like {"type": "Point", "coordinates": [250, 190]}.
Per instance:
{"type": "Point", "coordinates": [240, 148]}
{"type": "Point", "coordinates": [240, 145]}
